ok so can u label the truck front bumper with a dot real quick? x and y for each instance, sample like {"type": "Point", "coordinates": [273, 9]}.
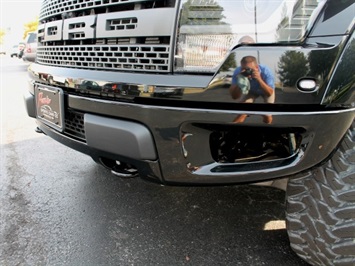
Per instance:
{"type": "Point", "coordinates": [182, 145]}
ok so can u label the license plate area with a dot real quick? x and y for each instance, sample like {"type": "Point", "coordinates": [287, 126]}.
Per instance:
{"type": "Point", "coordinates": [50, 106]}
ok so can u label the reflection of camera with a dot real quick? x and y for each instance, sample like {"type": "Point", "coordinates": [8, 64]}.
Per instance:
{"type": "Point", "coordinates": [247, 72]}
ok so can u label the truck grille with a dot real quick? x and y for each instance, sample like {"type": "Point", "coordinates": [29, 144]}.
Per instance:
{"type": "Point", "coordinates": [74, 125]}
{"type": "Point", "coordinates": [52, 8]}
{"type": "Point", "coordinates": [106, 57]}
{"type": "Point", "coordinates": [114, 35]}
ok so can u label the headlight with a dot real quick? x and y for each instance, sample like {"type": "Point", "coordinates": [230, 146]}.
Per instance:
{"type": "Point", "coordinates": [209, 29]}
{"type": "Point", "coordinates": [202, 48]}
{"type": "Point", "coordinates": [204, 39]}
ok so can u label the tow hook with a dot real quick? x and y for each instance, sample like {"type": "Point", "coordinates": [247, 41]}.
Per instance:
{"type": "Point", "coordinates": [124, 170]}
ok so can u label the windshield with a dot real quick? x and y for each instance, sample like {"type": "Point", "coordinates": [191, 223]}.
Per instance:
{"type": "Point", "coordinates": [32, 37]}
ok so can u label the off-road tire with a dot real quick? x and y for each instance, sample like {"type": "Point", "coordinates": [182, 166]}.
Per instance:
{"type": "Point", "coordinates": [320, 211]}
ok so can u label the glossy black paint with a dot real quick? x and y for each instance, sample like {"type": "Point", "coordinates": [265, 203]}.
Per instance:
{"type": "Point", "coordinates": [336, 18]}
{"type": "Point", "coordinates": [341, 90]}
{"type": "Point", "coordinates": [311, 60]}
{"type": "Point", "coordinates": [169, 127]}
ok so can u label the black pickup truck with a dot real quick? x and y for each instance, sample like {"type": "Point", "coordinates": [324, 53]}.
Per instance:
{"type": "Point", "coordinates": [211, 92]}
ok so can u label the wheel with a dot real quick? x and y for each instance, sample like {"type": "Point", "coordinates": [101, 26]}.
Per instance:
{"type": "Point", "coordinates": [320, 211]}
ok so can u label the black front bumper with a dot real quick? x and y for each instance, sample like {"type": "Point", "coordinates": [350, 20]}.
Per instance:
{"type": "Point", "coordinates": [183, 145]}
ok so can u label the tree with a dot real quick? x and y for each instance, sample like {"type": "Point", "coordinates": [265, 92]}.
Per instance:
{"type": "Point", "coordinates": [29, 27]}
{"type": "Point", "coordinates": [319, 62]}
{"type": "Point", "coordinates": [229, 64]}
{"type": "Point", "coordinates": [292, 66]}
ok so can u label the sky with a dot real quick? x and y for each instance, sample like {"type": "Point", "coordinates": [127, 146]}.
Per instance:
{"type": "Point", "coordinates": [14, 14]}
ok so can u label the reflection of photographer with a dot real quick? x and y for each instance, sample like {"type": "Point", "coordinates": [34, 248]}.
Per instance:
{"type": "Point", "coordinates": [250, 81]}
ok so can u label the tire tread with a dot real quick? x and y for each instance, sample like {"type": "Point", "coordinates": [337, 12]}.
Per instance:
{"type": "Point", "coordinates": [320, 215]}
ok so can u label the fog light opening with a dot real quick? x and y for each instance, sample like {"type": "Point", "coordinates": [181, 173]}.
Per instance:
{"type": "Point", "coordinates": [245, 145]}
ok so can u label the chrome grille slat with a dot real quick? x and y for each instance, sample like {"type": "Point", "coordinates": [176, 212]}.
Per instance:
{"type": "Point", "coordinates": [109, 57]}
{"type": "Point", "coordinates": [58, 7]}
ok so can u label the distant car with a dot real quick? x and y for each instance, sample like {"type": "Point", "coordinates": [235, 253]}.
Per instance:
{"type": "Point", "coordinates": [121, 89]}
{"type": "Point", "coordinates": [89, 85]}
{"type": "Point", "coordinates": [168, 92]}
{"type": "Point", "coordinates": [14, 51]}
{"type": "Point", "coordinates": [17, 49]}
{"type": "Point", "coordinates": [29, 53]}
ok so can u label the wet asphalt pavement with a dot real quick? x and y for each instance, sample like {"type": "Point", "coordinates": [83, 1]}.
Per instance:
{"type": "Point", "coordinates": [58, 207]}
